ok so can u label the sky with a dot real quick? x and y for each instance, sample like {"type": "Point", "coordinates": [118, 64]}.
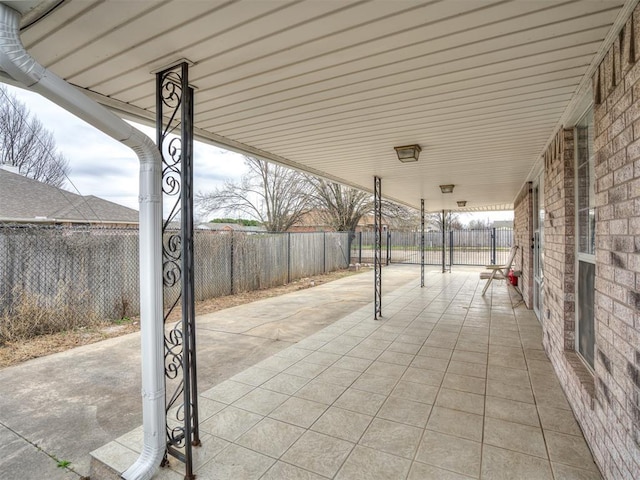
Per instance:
{"type": "Point", "coordinates": [105, 168]}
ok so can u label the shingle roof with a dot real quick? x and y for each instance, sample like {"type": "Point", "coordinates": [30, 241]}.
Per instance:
{"type": "Point", "coordinates": [23, 199]}
{"type": "Point", "coordinates": [230, 226]}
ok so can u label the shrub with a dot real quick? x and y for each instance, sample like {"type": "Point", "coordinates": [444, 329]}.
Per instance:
{"type": "Point", "coordinates": [28, 315]}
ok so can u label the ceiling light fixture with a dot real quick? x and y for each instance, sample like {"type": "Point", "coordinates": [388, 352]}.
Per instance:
{"type": "Point", "coordinates": [462, 203]}
{"type": "Point", "coordinates": [446, 188]}
{"type": "Point", "coordinates": [408, 153]}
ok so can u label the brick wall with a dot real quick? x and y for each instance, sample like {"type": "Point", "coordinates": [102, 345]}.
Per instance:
{"type": "Point", "coordinates": [617, 300]}
{"type": "Point", "coordinates": [522, 234]}
{"type": "Point", "coordinates": [559, 243]}
{"type": "Point", "coordinates": [558, 312]}
{"type": "Point", "coordinates": [607, 403]}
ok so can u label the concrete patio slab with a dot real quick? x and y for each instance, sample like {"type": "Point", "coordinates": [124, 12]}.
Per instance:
{"type": "Point", "coordinates": [68, 404]}
{"type": "Point", "coordinates": [449, 384]}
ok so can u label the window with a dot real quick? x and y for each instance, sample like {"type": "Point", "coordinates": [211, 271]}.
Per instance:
{"type": "Point", "coordinates": [538, 245]}
{"type": "Point", "coordinates": [586, 240]}
{"type": "Point", "coordinates": [586, 221]}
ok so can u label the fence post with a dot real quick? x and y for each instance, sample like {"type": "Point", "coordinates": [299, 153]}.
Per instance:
{"type": "Point", "coordinates": [360, 248]}
{"type": "Point", "coordinates": [388, 247]}
{"type": "Point", "coordinates": [493, 246]}
{"type": "Point", "coordinates": [324, 251]}
{"type": "Point", "coordinates": [231, 265]}
{"type": "Point", "coordinates": [450, 249]}
{"type": "Point", "coordinates": [288, 257]}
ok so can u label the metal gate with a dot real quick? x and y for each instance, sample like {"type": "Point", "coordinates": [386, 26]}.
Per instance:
{"type": "Point", "coordinates": [462, 247]}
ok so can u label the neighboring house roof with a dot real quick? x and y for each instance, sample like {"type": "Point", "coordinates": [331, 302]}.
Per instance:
{"type": "Point", "coordinates": [314, 221]}
{"type": "Point", "coordinates": [229, 226]}
{"type": "Point", "coordinates": [503, 224]}
{"type": "Point", "coordinates": [311, 221]}
{"type": "Point", "coordinates": [24, 199]}
{"type": "Point", "coordinates": [368, 220]}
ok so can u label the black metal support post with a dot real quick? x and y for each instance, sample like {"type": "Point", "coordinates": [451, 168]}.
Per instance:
{"type": "Point", "coordinates": [360, 248]}
{"type": "Point", "coordinates": [444, 225]}
{"type": "Point", "coordinates": [377, 250]}
{"type": "Point", "coordinates": [422, 242]}
{"type": "Point", "coordinates": [174, 127]}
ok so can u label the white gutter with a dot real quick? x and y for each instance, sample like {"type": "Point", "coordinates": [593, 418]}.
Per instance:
{"type": "Point", "coordinates": [18, 64]}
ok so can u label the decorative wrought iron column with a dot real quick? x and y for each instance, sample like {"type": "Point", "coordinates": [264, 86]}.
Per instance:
{"type": "Point", "coordinates": [422, 242]}
{"type": "Point", "coordinates": [174, 127]}
{"type": "Point", "coordinates": [377, 249]}
{"type": "Point", "coordinates": [444, 244]}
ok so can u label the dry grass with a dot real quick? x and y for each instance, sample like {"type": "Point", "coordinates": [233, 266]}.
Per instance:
{"type": "Point", "coordinates": [30, 316]}
{"type": "Point", "coordinates": [16, 352]}
{"type": "Point", "coordinates": [18, 348]}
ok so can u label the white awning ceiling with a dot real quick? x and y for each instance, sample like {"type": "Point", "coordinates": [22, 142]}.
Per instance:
{"type": "Point", "coordinates": [331, 86]}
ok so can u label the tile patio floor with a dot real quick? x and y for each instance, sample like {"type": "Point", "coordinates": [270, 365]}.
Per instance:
{"type": "Point", "coordinates": [450, 385]}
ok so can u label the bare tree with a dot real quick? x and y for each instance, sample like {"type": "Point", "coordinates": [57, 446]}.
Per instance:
{"type": "Point", "coordinates": [279, 197]}
{"type": "Point", "coordinates": [479, 223]}
{"type": "Point", "coordinates": [274, 195]}
{"type": "Point", "coordinates": [26, 144]}
{"type": "Point", "coordinates": [400, 217]}
{"type": "Point", "coordinates": [450, 221]}
{"type": "Point", "coordinates": [342, 207]}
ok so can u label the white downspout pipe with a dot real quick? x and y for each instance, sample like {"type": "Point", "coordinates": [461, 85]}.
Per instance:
{"type": "Point", "coordinates": [17, 63]}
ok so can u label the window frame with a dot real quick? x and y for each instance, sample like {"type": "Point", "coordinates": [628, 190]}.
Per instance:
{"type": "Point", "coordinates": [580, 255]}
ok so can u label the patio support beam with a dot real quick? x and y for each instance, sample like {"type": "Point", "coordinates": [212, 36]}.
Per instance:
{"type": "Point", "coordinates": [422, 242]}
{"type": "Point", "coordinates": [377, 249]}
{"type": "Point", "coordinates": [17, 63]}
{"type": "Point", "coordinates": [174, 100]}
{"type": "Point", "coordinates": [444, 242]}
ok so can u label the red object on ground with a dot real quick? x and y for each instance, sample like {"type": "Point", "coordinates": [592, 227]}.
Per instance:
{"type": "Point", "coordinates": [513, 279]}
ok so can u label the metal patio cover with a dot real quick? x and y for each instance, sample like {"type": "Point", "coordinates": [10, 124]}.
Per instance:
{"type": "Point", "coordinates": [331, 86]}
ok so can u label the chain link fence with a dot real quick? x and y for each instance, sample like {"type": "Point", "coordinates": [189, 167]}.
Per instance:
{"type": "Point", "coordinates": [84, 274]}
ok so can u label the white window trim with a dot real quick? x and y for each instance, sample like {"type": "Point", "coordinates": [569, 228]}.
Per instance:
{"type": "Point", "coordinates": [580, 256]}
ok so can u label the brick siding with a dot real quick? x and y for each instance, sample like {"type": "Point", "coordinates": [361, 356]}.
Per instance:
{"type": "Point", "coordinates": [607, 403]}
{"type": "Point", "coordinates": [522, 235]}
{"type": "Point", "coordinates": [559, 243]}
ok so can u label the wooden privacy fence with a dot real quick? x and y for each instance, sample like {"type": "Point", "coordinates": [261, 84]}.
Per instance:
{"type": "Point", "coordinates": [98, 267]}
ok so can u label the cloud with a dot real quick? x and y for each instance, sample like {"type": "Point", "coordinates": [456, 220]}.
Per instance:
{"type": "Point", "coordinates": [103, 167]}
{"type": "Point", "coordinates": [206, 178]}
{"type": "Point", "coordinates": [114, 167]}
